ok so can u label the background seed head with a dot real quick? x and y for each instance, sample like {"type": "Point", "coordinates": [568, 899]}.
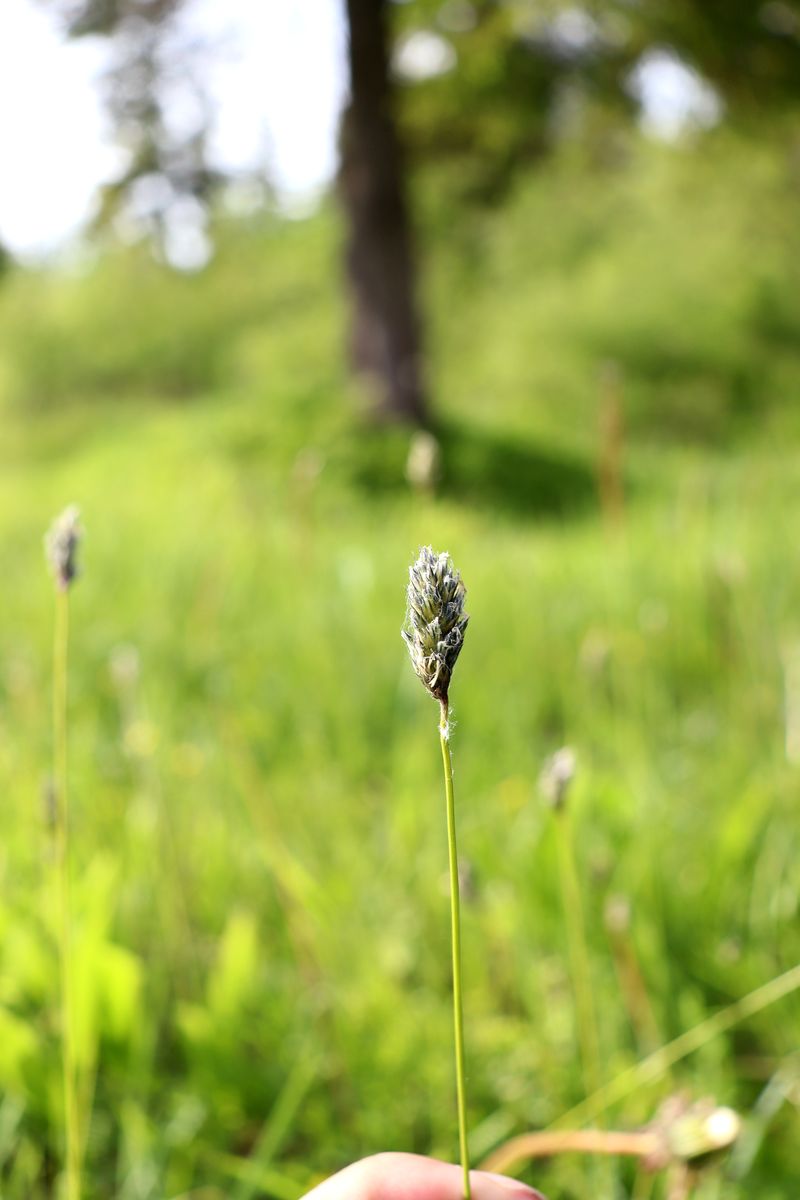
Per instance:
{"type": "Point", "coordinates": [61, 546]}
{"type": "Point", "coordinates": [557, 775]}
{"type": "Point", "coordinates": [435, 620]}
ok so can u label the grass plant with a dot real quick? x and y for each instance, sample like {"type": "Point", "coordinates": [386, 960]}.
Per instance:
{"type": "Point", "coordinates": [436, 627]}
{"type": "Point", "coordinates": [556, 782]}
{"type": "Point", "coordinates": [61, 545]}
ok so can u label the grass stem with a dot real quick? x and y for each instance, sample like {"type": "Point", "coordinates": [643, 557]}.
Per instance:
{"type": "Point", "coordinates": [656, 1065]}
{"type": "Point", "coordinates": [60, 648]}
{"type": "Point", "coordinates": [578, 953]}
{"type": "Point", "coordinates": [455, 915]}
{"type": "Point", "coordinates": [549, 1143]}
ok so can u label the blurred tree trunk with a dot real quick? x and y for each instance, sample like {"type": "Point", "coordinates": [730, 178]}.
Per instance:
{"type": "Point", "coordinates": [385, 333]}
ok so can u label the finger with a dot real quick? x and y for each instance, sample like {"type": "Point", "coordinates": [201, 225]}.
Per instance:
{"type": "Point", "coordinates": [412, 1177]}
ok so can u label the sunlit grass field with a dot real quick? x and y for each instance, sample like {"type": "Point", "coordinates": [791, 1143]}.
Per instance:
{"type": "Point", "coordinates": [259, 849]}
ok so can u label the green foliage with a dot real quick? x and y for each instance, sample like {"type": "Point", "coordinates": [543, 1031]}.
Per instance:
{"type": "Point", "coordinates": [750, 52]}
{"type": "Point", "coordinates": [518, 88]}
{"type": "Point", "coordinates": [133, 328]}
{"type": "Point", "coordinates": [529, 77]}
{"type": "Point", "coordinates": [259, 841]}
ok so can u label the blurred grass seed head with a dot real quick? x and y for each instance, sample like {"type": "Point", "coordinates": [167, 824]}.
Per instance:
{"type": "Point", "coordinates": [557, 775]}
{"type": "Point", "coordinates": [61, 544]}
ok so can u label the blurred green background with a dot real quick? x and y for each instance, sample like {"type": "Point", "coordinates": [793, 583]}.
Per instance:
{"type": "Point", "coordinates": [612, 333]}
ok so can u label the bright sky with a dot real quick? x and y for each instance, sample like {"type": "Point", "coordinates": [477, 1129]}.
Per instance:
{"type": "Point", "coordinates": [277, 78]}
{"type": "Point", "coordinates": [54, 144]}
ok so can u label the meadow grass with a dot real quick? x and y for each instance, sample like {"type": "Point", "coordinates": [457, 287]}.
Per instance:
{"type": "Point", "coordinates": [63, 568]}
{"type": "Point", "coordinates": [262, 985]}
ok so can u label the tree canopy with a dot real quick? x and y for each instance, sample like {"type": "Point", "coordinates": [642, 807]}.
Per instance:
{"type": "Point", "coordinates": [515, 77]}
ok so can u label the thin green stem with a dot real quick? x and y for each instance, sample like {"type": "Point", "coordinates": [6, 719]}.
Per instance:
{"type": "Point", "coordinates": [455, 915]}
{"type": "Point", "coordinates": [656, 1065]}
{"type": "Point", "coordinates": [60, 645]}
{"type": "Point", "coordinates": [578, 954]}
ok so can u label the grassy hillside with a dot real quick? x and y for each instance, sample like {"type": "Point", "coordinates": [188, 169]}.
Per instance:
{"type": "Point", "coordinates": [259, 842]}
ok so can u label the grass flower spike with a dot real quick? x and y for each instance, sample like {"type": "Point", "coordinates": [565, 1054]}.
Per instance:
{"type": "Point", "coordinates": [436, 622]}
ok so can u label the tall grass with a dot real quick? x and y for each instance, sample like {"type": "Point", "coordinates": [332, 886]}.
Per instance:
{"type": "Point", "coordinates": [70, 1088]}
{"type": "Point", "coordinates": [61, 548]}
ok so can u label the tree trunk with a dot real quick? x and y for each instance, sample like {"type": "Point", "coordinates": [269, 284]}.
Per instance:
{"type": "Point", "coordinates": [385, 335]}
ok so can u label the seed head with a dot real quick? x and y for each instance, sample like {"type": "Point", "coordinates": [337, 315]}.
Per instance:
{"type": "Point", "coordinates": [424, 462]}
{"type": "Point", "coordinates": [435, 621]}
{"type": "Point", "coordinates": [690, 1132]}
{"type": "Point", "coordinates": [61, 546]}
{"type": "Point", "coordinates": [557, 775]}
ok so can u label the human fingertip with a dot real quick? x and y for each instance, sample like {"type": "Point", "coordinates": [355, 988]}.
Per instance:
{"type": "Point", "coordinates": [487, 1186]}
